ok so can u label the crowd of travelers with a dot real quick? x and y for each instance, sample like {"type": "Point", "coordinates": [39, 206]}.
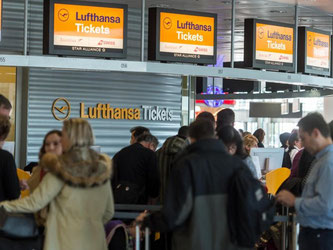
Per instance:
{"type": "Point", "coordinates": [73, 188]}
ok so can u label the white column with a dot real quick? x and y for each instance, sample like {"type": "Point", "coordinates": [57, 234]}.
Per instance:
{"type": "Point", "coordinates": [328, 108]}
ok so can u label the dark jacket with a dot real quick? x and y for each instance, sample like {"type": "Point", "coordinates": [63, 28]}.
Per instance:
{"type": "Point", "coordinates": [165, 158]}
{"type": "Point", "coordinates": [195, 206]}
{"type": "Point", "coordinates": [138, 165]}
{"type": "Point", "coordinates": [9, 184]}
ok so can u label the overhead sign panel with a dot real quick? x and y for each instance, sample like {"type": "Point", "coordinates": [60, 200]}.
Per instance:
{"type": "Point", "coordinates": [182, 36]}
{"type": "Point", "coordinates": [0, 19]}
{"type": "Point", "coordinates": [84, 28]}
{"type": "Point", "coordinates": [269, 45]}
{"type": "Point", "coordinates": [314, 51]}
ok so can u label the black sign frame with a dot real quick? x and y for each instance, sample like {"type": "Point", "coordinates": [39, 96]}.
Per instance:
{"type": "Point", "coordinates": [154, 53]}
{"type": "Point", "coordinates": [250, 47]}
{"type": "Point", "coordinates": [48, 38]}
{"type": "Point", "coordinates": [302, 53]}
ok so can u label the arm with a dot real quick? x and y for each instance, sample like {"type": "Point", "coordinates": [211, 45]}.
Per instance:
{"type": "Point", "coordinates": [109, 211]}
{"type": "Point", "coordinates": [322, 202]}
{"type": "Point", "coordinates": [10, 180]}
{"type": "Point", "coordinates": [46, 191]}
{"type": "Point", "coordinates": [178, 202]}
{"type": "Point", "coordinates": [153, 181]}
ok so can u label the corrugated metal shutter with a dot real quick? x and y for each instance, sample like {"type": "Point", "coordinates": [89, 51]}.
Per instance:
{"type": "Point", "coordinates": [13, 28]}
{"type": "Point", "coordinates": [117, 89]}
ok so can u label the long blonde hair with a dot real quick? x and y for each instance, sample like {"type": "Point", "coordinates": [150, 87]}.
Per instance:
{"type": "Point", "coordinates": [79, 132]}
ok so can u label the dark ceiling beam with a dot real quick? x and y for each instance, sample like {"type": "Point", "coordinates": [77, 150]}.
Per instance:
{"type": "Point", "coordinates": [249, 96]}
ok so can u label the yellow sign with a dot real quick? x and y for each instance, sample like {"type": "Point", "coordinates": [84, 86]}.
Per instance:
{"type": "Point", "coordinates": [61, 109]}
{"type": "Point", "coordinates": [274, 43]}
{"type": "Point", "coordinates": [190, 34]}
{"type": "Point", "coordinates": [318, 49]}
{"type": "Point", "coordinates": [104, 111]}
{"type": "Point", "coordinates": [88, 26]}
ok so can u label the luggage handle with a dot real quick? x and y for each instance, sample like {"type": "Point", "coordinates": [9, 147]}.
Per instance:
{"type": "Point", "coordinates": [137, 237]}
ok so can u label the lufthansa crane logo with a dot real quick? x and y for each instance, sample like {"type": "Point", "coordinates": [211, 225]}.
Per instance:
{"type": "Point", "coordinates": [167, 23]}
{"type": "Point", "coordinates": [261, 33]}
{"type": "Point", "coordinates": [61, 109]}
{"type": "Point", "coordinates": [63, 15]}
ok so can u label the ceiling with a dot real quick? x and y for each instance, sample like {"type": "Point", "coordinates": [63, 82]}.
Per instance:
{"type": "Point", "coordinates": [312, 13]}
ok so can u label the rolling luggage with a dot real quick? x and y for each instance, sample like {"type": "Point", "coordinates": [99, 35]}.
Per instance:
{"type": "Point", "coordinates": [137, 238]}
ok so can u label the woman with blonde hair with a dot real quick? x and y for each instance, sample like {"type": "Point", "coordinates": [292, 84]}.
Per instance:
{"type": "Point", "coordinates": [77, 189]}
{"type": "Point", "coordinates": [250, 141]}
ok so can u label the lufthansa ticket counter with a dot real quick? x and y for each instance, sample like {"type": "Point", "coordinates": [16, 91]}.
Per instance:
{"type": "Point", "coordinates": [122, 89]}
{"type": "Point", "coordinates": [47, 96]}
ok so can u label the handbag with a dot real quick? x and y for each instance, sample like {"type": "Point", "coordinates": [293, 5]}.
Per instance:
{"type": "Point", "coordinates": [17, 225]}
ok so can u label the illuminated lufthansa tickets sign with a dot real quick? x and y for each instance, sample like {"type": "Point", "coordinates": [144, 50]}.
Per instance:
{"type": "Point", "coordinates": [183, 36]}
{"type": "Point", "coordinates": [86, 28]}
{"type": "Point", "coordinates": [270, 45]}
{"type": "Point", "coordinates": [314, 51]}
{"type": "Point", "coordinates": [318, 50]}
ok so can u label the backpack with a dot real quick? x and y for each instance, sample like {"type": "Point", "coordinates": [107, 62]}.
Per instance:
{"type": "Point", "coordinates": [129, 193]}
{"type": "Point", "coordinates": [249, 209]}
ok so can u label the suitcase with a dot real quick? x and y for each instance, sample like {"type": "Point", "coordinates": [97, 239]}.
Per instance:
{"type": "Point", "coordinates": [137, 238]}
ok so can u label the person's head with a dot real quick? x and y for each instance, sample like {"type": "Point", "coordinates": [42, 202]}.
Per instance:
{"type": "Point", "coordinates": [225, 117]}
{"type": "Point", "coordinates": [314, 133]}
{"type": "Point", "coordinates": [4, 128]}
{"type": "Point", "coordinates": [148, 141]}
{"type": "Point", "coordinates": [246, 133]}
{"type": "Point", "coordinates": [183, 132]}
{"type": "Point", "coordinates": [294, 140]}
{"type": "Point", "coordinates": [5, 106]}
{"type": "Point", "coordinates": [136, 132]}
{"type": "Point", "coordinates": [259, 134]}
{"type": "Point", "coordinates": [284, 139]}
{"type": "Point", "coordinates": [250, 141]}
{"type": "Point", "coordinates": [51, 143]}
{"type": "Point", "coordinates": [201, 129]}
{"type": "Point", "coordinates": [241, 132]}
{"type": "Point", "coordinates": [76, 132]}
{"type": "Point", "coordinates": [206, 115]}
{"type": "Point", "coordinates": [232, 140]}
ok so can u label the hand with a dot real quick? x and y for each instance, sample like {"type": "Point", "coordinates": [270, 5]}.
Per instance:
{"type": "Point", "coordinates": [141, 217]}
{"type": "Point", "coordinates": [286, 198]}
{"type": "Point", "coordinates": [24, 185]}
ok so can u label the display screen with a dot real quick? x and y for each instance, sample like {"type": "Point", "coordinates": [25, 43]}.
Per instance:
{"type": "Point", "coordinates": [317, 50]}
{"type": "Point", "coordinates": [182, 36]}
{"type": "Point", "coordinates": [274, 44]}
{"type": "Point", "coordinates": [84, 28]}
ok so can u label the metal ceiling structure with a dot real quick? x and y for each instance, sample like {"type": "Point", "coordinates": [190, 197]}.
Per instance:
{"type": "Point", "coordinates": [312, 13]}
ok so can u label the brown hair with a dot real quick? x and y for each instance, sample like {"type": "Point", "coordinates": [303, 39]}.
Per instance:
{"type": "Point", "coordinates": [79, 132]}
{"type": "Point", "coordinates": [42, 149]}
{"type": "Point", "coordinates": [250, 140]}
{"type": "Point", "coordinates": [4, 127]}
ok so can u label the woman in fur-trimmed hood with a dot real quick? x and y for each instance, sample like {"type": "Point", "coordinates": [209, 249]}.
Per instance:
{"type": "Point", "coordinates": [78, 191]}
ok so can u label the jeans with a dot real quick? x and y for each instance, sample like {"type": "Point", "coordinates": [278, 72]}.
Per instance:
{"type": "Point", "coordinates": [315, 239]}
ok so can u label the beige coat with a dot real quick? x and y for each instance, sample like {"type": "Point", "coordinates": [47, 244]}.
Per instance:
{"type": "Point", "coordinates": [76, 213]}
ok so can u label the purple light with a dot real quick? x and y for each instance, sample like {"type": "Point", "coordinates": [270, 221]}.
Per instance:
{"type": "Point", "coordinates": [210, 91]}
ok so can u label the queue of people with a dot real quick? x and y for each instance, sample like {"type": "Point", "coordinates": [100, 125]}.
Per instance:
{"type": "Point", "coordinates": [73, 188]}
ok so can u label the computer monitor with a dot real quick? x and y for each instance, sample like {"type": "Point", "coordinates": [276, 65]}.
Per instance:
{"type": "Point", "coordinates": [272, 157]}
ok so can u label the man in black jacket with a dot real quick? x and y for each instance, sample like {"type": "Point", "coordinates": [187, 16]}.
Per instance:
{"type": "Point", "coordinates": [9, 183]}
{"type": "Point", "coordinates": [195, 207]}
{"type": "Point", "coordinates": [135, 172]}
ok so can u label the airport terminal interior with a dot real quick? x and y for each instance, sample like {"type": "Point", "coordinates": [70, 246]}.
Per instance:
{"type": "Point", "coordinates": [159, 64]}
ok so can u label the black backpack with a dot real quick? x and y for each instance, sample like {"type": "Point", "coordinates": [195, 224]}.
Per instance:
{"type": "Point", "coordinates": [129, 193]}
{"type": "Point", "coordinates": [250, 211]}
